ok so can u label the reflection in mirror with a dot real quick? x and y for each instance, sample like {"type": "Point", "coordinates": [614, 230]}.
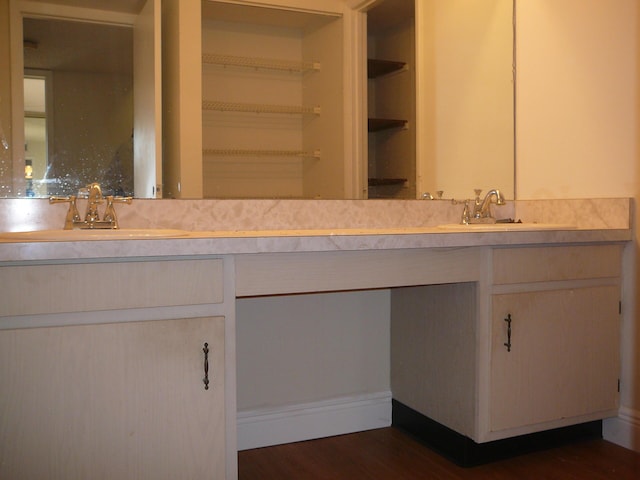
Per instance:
{"type": "Point", "coordinates": [35, 134]}
{"type": "Point", "coordinates": [441, 97]}
{"type": "Point", "coordinates": [391, 92]}
{"type": "Point", "coordinates": [103, 110]}
{"type": "Point", "coordinates": [466, 103]}
{"type": "Point", "coordinates": [273, 96]}
{"type": "Point", "coordinates": [447, 156]}
{"type": "Point", "coordinates": [88, 135]}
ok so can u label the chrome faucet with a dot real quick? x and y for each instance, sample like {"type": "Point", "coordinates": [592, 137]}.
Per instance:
{"type": "Point", "coordinates": [93, 193]}
{"type": "Point", "coordinates": [482, 208]}
{"type": "Point", "coordinates": [428, 196]}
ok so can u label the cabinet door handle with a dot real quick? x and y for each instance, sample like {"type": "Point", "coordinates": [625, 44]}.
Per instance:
{"type": "Point", "coordinates": [508, 343]}
{"type": "Point", "coordinates": [206, 366]}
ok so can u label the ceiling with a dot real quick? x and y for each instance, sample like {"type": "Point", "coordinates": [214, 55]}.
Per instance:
{"type": "Point", "coordinates": [258, 15]}
{"type": "Point", "coordinates": [388, 14]}
{"type": "Point", "coordinates": [63, 45]}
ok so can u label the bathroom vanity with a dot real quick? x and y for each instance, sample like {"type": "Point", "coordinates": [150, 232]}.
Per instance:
{"type": "Point", "coordinates": [454, 356]}
{"type": "Point", "coordinates": [104, 385]}
{"type": "Point", "coordinates": [531, 346]}
{"type": "Point", "coordinates": [118, 357]}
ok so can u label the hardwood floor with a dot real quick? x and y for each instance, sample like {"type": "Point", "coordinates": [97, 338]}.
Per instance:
{"type": "Point", "coordinates": [388, 453]}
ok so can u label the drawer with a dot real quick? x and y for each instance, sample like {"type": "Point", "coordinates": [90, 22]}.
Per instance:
{"type": "Point", "coordinates": [37, 289]}
{"type": "Point", "coordinates": [542, 264]}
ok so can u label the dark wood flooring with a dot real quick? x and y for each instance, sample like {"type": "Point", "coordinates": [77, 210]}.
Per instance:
{"type": "Point", "coordinates": [388, 453]}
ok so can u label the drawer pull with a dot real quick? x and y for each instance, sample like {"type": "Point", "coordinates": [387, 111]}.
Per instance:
{"type": "Point", "coordinates": [206, 366]}
{"type": "Point", "coordinates": [508, 343]}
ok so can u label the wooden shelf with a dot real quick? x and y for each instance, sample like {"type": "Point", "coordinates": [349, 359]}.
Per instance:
{"type": "Point", "coordinates": [377, 68]}
{"type": "Point", "coordinates": [377, 124]}
{"type": "Point", "coordinates": [379, 182]}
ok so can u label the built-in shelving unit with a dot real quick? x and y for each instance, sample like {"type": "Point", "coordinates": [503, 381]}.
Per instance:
{"type": "Point", "coordinates": [391, 100]}
{"type": "Point", "coordinates": [377, 68]}
{"type": "Point", "coordinates": [269, 77]}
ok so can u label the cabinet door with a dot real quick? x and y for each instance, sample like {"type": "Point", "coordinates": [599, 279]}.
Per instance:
{"type": "Point", "coordinates": [563, 360]}
{"type": "Point", "coordinates": [123, 401]}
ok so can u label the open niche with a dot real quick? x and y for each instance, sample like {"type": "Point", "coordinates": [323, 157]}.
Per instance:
{"type": "Point", "coordinates": [391, 100]}
{"type": "Point", "coordinates": [272, 103]}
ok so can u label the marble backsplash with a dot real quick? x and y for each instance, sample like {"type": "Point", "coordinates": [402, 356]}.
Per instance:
{"type": "Point", "coordinates": [37, 214]}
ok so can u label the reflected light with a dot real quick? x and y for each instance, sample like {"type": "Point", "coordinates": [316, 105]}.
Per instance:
{"type": "Point", "coordinates": [28, 170]}
{"type": "Point", "coordinates": [23, 215]}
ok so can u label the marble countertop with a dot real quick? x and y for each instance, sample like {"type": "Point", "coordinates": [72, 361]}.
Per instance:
{"type": "Point", "coordinates": [227, 227]}
{"type": "Point", "coordinates": [279, 241]}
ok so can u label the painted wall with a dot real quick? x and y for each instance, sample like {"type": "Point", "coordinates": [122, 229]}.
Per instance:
{"type": "Point", "coordinates": [340, 343]}
{"type": "Point", "coordinates": [577, 83]}
{"type": "Point", "coordinates": [577, 133]}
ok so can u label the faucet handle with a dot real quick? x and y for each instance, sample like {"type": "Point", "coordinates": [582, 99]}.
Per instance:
{"type": "Point", "coordinates": [118, 199]}
{"type": "Point", "coordinates": [466, 217]}
{"type": "Point", "coordinates": [68, 199]}
{"type": "Point", "coordinates": [110, 211]}
{"type": "Point", "coordinates": [72, 213]}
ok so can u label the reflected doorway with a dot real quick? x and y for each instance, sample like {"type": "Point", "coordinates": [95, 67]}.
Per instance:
{"type": "Point", "coordinates": [35, 133]}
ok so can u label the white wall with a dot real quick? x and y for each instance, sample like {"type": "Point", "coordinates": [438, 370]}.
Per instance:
{"type": "Point", "coordinates": [305, 348]}
{"type": "Point", "coordinates": [577, 134]}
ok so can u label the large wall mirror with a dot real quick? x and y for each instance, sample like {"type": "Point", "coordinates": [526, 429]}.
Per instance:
{"type": "Point", "coordinates": [89, 103]}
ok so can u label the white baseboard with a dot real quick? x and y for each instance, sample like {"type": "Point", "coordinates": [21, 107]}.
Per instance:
{"type": "Point", "coordinates": [623, 430]}
{"type": "Point", "coordinates": [294, 423]}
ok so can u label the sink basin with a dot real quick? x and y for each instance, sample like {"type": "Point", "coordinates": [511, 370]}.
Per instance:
{"type": "Point", "coordinates": [505, 227]}
{"type": "Point", "coordinates": [81, 235]}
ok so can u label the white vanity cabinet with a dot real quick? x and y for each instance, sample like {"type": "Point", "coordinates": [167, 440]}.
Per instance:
{"type": "Point", "coordinates": [454, 361]}
{"type": "Point", "coordinates": [560, 360]}
{"type": "Point", "coordinates": [554, 336]}
{"type": "Point", "coordinates": [124, 400]}
{"type": "Point", "coordinates": [114, 370]}
{"type": "Point", "coordinates": [102, 359]}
